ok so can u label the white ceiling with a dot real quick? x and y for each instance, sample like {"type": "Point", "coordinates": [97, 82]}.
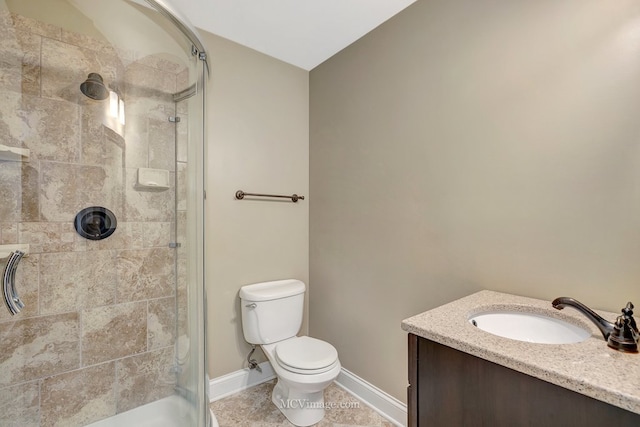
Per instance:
{"type": "Point", "coordinates": [301, 32]}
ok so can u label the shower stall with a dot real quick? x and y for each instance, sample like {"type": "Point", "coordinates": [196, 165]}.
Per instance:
{"type": "Point", "coordinates": [101, 215]}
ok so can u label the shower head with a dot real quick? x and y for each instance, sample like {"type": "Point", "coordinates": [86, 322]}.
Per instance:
{"type": "Point", "coordinates": [94, 87]}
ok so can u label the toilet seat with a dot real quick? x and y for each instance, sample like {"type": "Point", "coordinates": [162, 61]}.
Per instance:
{"type": "Point", "coordinates": [306, 355]}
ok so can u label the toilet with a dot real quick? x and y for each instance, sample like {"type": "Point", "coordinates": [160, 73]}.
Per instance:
{"type": "Point", "coordinates": [305, 366]}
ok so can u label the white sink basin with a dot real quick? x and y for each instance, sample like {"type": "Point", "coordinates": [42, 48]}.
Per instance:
{"type": "Point", "coordinates": [529, 327]}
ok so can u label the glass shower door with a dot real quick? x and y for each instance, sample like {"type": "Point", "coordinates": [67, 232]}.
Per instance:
{"type": "Point", "coordinates": [102, 101]}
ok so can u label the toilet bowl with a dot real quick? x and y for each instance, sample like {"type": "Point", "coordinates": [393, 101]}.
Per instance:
{"type": "Point", "coordinates": [304, 366]}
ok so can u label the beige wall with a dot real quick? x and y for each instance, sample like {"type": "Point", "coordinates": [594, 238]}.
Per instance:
{"type": "Point", "coordinates": [469, 145]}
{"type": "Point", "coordinates": [258, 141]}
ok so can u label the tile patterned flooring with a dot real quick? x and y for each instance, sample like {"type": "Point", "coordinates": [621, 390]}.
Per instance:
{"type": "Point", "coordinates": [253, 408]}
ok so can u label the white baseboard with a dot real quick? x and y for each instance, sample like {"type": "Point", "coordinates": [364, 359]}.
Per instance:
{"type": "Point", "coordinates": [381, 402]}
{"type": "Point", "coordinates": [237, 381]}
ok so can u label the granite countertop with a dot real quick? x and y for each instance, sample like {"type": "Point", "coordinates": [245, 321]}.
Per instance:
{"type": "Point", "coordinates": [589, 367]}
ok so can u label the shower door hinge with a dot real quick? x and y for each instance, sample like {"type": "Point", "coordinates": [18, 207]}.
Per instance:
{"type": "Point", "coordinates": [174, 119]}
{"type": "Point", "coordinates": [174, 245]}
{"type": "Point", "coordinates": [202, 56]}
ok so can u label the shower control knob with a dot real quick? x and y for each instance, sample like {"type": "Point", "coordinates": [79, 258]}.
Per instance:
{"type": "Point", "coordinates": [95, 223]}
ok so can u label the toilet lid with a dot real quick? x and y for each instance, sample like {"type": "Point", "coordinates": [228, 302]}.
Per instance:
{"type": "Point", "coordinates": [306, 353]}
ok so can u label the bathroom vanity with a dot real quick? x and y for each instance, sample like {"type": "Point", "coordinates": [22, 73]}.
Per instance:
{"type": "Point", "coordinates": [460, 375]}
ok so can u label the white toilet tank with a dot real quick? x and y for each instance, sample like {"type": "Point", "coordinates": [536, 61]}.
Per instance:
{"type": "Point", "coordinates": [272, 311]}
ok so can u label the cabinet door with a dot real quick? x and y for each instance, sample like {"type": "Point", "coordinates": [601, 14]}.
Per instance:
{"type": "Point", "coordinates": [452, 388]}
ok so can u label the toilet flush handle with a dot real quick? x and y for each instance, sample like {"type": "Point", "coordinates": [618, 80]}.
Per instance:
{"type": "Point", "coordinates": [252, 305]}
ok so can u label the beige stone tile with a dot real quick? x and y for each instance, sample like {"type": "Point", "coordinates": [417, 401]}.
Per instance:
{"type": "Point", "coordinates": [26, 286]}
{"type": "Point", "coordinates": [10, 191]}
{"type": "Point", "coordinates": [182, 109]}
{"type": "Point", "coordinates": [144, 205]}
{"type": "Point", "coordinates": [182, 80]}
{"type": "Point", "coordinates": [182, 315]}
{"type": "Point", "coordinates": [20, 65]}
{"type": "Point", "coordinates": [100, 144]}
{"type": "Point", "coordinates": [101, 46]}
{"type": "Point", "coordinates": [30, 25]}
{"type": "Point", "coordinates": [182, 296]}
{"type": "Point", "coordinates": [30, 188]}
{"type": "Point", "coordinates": [12, 124]}
{"type": "Point", "coordinates": [113, 332]}
{"type": "Point", "coordinates": [77, 398]}
{"type": "Point", "coordinates": [253, 407]}
{"type": "Point", "coordinates": [161, 322]}
{"type": "Point", "coordinates": [354, 413]}
{"type": "Point", "coordinates": [30, 66]}
{"type": "Point", "coordinates": [49, 128]}
{"type": "Point", "coordinates": [72, 281]}
{"type": "Point", "coordinates": [157, 234]}
{"type": "Point", "coordinates": [59, 187]}
{"type": "Point", "coordinates": [18, 191]}
{"type": "Point", "coordinates": [149, 92]}
{"type": "Point", "coordinates": [145, 378]}
{"type": "Point", "coordinates": [181, 236]}
{"type": "Point", "coordinates": [128, 235]}
{"type": "Point", "coordinates": [181, 186]}
{"type": "Point", "coordinates": [182, 267]}
{"type": "Point", "coordinates": [144, 81]}
{"type": "Point", "coordinates": [145, 274]}
{"type": "Point", "coordinates": [6, 22]}
{"type": "Point", "coordinates": [162, 140]}
{"type": "Point", "coordinates": [30, 200]}
{"type": "Point", "coordinates": [182, 135]}
{"type": "Point", "coordinates": [135, 134]}
{"type": "Point", "coordinates": [156, 106]}
{"type": "Point", "coordinates": [47, 236]}
{"type": "Point", "coordinates": [66, 66]}
{"type": "Point", "coordinates": [38, 347]}
{"type": "Point", "coordinates": [20, 405]}
{"type": "Point", "coordinates": [249, 407]}
{"type": "Point", "coordinates": [66, 189]}
{"type": "Point", "coordinates": [161, 63]}
{"type": "Point", "coordinates": [8, 233]}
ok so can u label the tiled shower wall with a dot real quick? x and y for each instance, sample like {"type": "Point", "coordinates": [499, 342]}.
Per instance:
{"type": "Point", "coordinates": [96, 336]}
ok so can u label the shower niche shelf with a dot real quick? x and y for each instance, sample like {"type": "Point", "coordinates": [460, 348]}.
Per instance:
{"type": "Point", "coordinates": [14, 154]}
{"type": "Point", "coordinates": [152, 180]}
{"type": "Point", "coordinates": [6, 250]}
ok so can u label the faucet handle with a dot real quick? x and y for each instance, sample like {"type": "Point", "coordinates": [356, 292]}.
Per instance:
{"type": "Point", "coordinates": [628, 313]}
{"type": "Point", "coordinates": [625, 332]}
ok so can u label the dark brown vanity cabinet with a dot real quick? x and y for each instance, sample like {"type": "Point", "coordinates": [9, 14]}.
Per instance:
{"type": "Point", "coordinates": [449, 388]}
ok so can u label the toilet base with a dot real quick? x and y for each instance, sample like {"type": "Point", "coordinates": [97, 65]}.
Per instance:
{"type": "Point", "coordinates": [301, 409]}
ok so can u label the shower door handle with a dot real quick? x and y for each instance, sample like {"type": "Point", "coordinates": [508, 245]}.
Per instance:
{"type": "Point", "coordinates": [11, 298]}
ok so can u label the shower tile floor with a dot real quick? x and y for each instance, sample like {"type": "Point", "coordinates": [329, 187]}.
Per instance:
{"type": "Point", "coordinates": [253, 408]}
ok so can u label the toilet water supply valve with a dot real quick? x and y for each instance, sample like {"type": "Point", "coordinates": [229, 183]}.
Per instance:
{"type": "Point", "coordinates": [253, 363]}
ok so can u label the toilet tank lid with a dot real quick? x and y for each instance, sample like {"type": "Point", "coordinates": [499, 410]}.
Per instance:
{"type": "Point", "coordinates": [267, 291]}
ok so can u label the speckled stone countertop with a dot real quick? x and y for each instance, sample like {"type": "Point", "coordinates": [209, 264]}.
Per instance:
{"type": "Point", "coordinates": [589, 367]}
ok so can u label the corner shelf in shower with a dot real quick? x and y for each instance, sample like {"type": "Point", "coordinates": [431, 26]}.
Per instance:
{"type": "Point", "coordinates": [6, 250]}
{"type": "Point", "coordinates": [14, 154]}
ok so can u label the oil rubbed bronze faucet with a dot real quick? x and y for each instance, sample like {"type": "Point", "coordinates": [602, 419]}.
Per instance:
{"type": "Point", "coordinates": [622, 335]}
